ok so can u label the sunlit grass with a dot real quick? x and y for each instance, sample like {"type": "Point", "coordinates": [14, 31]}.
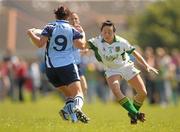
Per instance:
{"type": "Point", "coordinates": [42, 116]}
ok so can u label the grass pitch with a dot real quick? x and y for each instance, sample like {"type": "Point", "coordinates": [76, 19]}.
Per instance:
{"type": "Point", "coordinates": [42, 116]}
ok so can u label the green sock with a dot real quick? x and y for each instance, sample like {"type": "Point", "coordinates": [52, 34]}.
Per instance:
{"type": "Point", "coordinates": [137, 105]}
{"type": "Point", "coordinates": [126, 103]}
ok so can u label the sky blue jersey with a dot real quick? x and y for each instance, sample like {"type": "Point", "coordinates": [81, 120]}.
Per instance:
{"type": "Point", "coordinates": [77, 55]}
{"type": "Point", "coordinates": [60, 50]}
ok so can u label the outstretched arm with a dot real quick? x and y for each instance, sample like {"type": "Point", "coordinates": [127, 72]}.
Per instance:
{"type": "Point", "coordinates": [141, 60]}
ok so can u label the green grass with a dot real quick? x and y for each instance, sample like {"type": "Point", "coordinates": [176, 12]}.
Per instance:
{"type": "Point", "coordinates": [42, 116]}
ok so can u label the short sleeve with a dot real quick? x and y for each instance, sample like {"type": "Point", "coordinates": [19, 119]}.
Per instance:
{"type": "Point", "coordinates": [47, 31]}
{"type": "Point", "coordinates": [128, 48]}
{"type": "Point", "coordinates": [76, 34]}
{"type": "Point", "coordinates": [92, 43]}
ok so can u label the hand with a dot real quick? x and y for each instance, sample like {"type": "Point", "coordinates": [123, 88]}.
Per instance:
{"type": "Point", "coordinates": [152, 69]}
{"type": "Point", "coordinates": [30, 31]}
{"type": "Point", "coordinates": [79, 28]}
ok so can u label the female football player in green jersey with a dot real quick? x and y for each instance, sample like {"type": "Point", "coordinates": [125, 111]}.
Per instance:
{"type": "Point", "coordinates": [113, 52]}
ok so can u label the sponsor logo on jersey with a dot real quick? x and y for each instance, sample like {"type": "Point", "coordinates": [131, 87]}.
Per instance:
{"type": "Point", "coordinates": [117, 49]}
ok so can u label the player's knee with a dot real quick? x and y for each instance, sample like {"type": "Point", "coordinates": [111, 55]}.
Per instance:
{"type": "Point", "coordinates": [85, 88]}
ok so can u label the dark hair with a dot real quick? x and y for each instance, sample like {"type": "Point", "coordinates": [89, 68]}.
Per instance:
{"type": "Point", "coordinates": [62, 13]}
{"type": "Point", "coordinates": [108, 23]}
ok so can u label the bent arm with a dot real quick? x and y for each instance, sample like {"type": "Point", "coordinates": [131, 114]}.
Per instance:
{"type": "Point", "coordinates": [38, 41]}
{"type": "Point", "coordinates": [80, 43]}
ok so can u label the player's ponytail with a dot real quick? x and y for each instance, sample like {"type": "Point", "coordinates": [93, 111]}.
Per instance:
{"type": "Point", "coordinates": [108, 23]}
{"type": "Point", "coordinates": [62, 13]}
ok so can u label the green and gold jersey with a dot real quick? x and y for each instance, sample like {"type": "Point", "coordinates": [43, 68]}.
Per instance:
{"type": "Point", "coordinates": [113, 55]}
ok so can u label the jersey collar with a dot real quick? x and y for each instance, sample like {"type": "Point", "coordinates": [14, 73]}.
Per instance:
{"type": "Point", "coordinates": [64, 21]}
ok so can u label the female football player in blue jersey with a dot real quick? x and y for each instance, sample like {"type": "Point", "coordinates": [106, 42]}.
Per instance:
{"type": "Point", "coordinates": [113, 52]}
{"type": "Point", "coordinates": [60, 39]}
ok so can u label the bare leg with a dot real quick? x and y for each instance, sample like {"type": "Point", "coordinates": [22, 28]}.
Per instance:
{"type": "Point", "coordinates": [71, 90]}
{"type": "Point", "coordinates": [113, 83]}
{"type": "Point", "coordinates": [138, 84]}
{"type": "Point", "coordinates": [74, 92]}
{"type": "Point", "coordinates": [83, 84]}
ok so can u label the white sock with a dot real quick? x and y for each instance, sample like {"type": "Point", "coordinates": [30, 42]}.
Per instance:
{"type": "Point", "coordinates": [78, 101]}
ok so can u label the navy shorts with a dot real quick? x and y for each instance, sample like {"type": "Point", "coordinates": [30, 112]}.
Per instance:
{"type": "Point", "coordinates": [80, 70]}
{"type": "Point", "coordinates": [64, 75]}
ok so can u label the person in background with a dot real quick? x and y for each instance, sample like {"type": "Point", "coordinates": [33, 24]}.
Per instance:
{"type": "Point", "coordinates": [150, 78]}
{"type": "Point", "coordinates": [21, 74]}
{"type": "Point", "coordinates": [75, 22]}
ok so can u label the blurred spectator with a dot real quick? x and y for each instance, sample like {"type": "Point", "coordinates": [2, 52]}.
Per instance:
{"type": "Point", "coordinates": [174, 74]}
{"type": "Point", "coordinates": [21, 74]}
{"type": "Point", "coordinates": [173, 82]}
{"type": "Point", "coordinates": [34, 74]}
{"type": "Point", "coordinates": [162, 81]}
{"type": "Point", "coordinates": [4, 80]}
{"type": "Point", "coordinates": [150, 77]}
{"type": "Point", "coordinates": [8, 61]}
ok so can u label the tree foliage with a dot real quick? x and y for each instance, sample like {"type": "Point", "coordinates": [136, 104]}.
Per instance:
{"type": "Point", "coordinates": [159, 25]}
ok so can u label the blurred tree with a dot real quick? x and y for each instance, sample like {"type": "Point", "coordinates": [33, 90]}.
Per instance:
{"type": "Point", "coordinates": [159, 25]}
